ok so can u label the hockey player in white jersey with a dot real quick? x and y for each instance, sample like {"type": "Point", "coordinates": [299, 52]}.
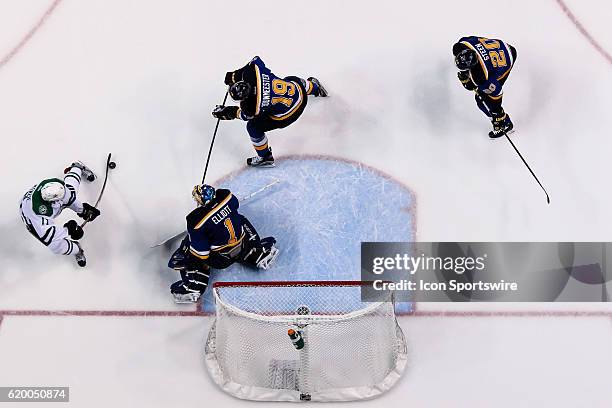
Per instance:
{"type": "Point", "coordinates": [46, 200]}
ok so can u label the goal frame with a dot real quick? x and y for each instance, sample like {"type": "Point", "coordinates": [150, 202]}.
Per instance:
{"type": "Point", "coordinates": [272, 394]}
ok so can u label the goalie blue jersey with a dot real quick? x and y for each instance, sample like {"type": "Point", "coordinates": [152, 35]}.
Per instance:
{"type": "Point", "coordinates": [216, 227]}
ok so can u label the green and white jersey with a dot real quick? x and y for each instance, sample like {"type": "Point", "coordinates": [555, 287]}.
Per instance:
{"type": "Point", "coordinates": [39, 215]}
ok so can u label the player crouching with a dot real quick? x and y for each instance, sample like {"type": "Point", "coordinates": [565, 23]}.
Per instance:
{"type": "Point", "coordinates": [45, 201]}
{"type": "Point", "coordinates": [484, 65]}
{"type": "Point", "coordinates": [267, 102]}
{"type": "Point", "coordinates": [217, 236]}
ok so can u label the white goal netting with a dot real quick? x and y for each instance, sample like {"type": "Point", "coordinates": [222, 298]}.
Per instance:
{"type": "Point", "coordinates": [342, 349]}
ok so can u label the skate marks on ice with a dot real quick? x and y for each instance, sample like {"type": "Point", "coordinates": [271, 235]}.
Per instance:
{"type": "Point", "coordinates": [320, 212]}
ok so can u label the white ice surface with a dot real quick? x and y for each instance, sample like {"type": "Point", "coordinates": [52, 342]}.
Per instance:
{"type": "Point", "coordinates": [139, 78]}
{"type": "Point", "coordinates": [453, 362]}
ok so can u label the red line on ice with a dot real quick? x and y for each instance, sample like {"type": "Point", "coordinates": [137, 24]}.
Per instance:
{"type": "Point", "coordinates": [198, 313]}
{"type": "Point", "coordinates": [517, 313]}
{"type": "Point", "coordinates": [583, 31]}
{"type": "Point", "coordinates": [103, 313]}
{"type": "Point", "coordinates": [8, 57]}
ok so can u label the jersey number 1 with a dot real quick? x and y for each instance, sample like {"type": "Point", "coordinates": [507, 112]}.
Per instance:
{"type": "Point", "coordinates": [230, 229]}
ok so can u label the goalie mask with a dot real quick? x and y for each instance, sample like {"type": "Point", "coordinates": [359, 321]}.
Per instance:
{"type": "Point", "coordinates": [203, 194]}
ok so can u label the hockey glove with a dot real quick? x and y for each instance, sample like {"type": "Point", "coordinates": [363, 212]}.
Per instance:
{"type": "Point", "coordinates": [89, 213]}
{"type": "Point", "coordinates": [466, 81]}
{"type": "Point", "coordinates": [229, 78]}
{"type": "Point", "coordinates": [74, 230]}
{"type": "Point", "coordinates": [225, 112]}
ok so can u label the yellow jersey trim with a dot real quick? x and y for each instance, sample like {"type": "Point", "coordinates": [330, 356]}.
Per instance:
{"type": "Point", "coordinates": [505, 74]}
{"type": "Point", "coordinates": [295, 107]}
{"type": "Point", "coordinates": [482, 64]}
{"type": "Point", "coordinates": [214, 210]}
{"type": "Point", "coordinates": [198, 255]}
{"type": "Point", "coordinates": [233, 244]}
{"type": "Point", "coordinates": [258, 76]}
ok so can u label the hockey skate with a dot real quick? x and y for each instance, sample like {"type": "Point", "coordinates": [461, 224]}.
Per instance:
{"type": "Point", "coordinates": [259, 161]}
{"type": "Point", "coordinates": [322, 91]}
{"type": "Point", "coordinates": [501, 127]}
{"type": "Point", "coordinates": [80, 257]}
{"type": "Point", "coordinates": [85, 171]}
{"type": "Point", "coordinates": [183, 295]}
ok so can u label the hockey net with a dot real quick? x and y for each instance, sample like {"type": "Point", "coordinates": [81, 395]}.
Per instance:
{"type": "Point", "coordinates": [351, 350]}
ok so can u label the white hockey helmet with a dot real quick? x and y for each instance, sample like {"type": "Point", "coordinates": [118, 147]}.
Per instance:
{"type": "Point", "coordinates": [52, 191]}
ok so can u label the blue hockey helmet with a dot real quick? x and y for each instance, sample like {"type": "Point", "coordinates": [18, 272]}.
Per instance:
{"type": "Point", "coordinates": [466, 59]}
{"type": "Point", "coordinates": [240, 90]}
{"type": "Point", "coordinates": [203, 194]}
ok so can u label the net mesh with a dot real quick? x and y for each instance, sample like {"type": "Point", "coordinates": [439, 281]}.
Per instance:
{"type": "Point", "coordinates": [351, 349]}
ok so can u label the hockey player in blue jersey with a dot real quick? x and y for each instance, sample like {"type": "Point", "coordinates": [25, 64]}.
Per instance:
{"type": "Point", "coordinates": [484, 65]}
{"type": "Point", "coordinates": [267, 102]}
{"type": "Point", "coordinates": [217, 236]}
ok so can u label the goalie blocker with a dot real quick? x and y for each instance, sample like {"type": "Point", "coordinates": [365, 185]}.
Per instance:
{"type": "Point", "coordinates": [218, 236]}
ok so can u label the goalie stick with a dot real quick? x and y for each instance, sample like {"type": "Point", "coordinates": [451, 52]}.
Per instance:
{"type": "Point", "coordinates": [242, 200]}
{"type": "Point", "coordinates": [109, 165]}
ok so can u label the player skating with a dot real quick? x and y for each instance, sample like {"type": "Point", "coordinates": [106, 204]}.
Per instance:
{"type": "Point", "coordinates": [217, 236]}
{"type": "Point", "coordinates": [484, 65]}
{"type": "Point", "coordinates": [267, 102]}
{"type": "Point", "coordinates": [46, 200]}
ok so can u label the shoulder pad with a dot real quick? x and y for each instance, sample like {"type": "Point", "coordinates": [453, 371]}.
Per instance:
{"type": "Point", "coordinates": [194, 217]}
{"type": "Point", "coordinates": [221, 194]}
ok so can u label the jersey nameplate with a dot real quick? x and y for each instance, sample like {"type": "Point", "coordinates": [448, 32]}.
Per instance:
{"type": "Point", "coordinates": [483, 52]}
{"type": "Point", "coordinates": [221, 214]}
{"type": "Point", "coordinates": [265, 90]}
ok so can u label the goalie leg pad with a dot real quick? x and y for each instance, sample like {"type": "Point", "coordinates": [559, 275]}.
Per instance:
{"type": "Point", "coordinates": [179, 259]}
{"type": "Point", "coordinates": [252, 237]}
{"type": "Point", "coordinates": [181, 294]}
{"type": "Point", "coordinates": [191, 286]}
{"type": "Point", "coordinates": [268, 258]}
{"type": "Point", "coordinates": [262, 256]}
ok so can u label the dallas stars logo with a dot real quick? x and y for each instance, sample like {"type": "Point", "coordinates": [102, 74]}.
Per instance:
{"type": "Point", "coordinates": [42, 209]}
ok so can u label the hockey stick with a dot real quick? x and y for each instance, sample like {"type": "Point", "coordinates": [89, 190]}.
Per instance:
{"type": "Point", "coordinates": [528, 168]}
{"type": "Point", "coordinates": [242, 201]}
{"type": "Point", "coordinates": [109, 165]}
{"type": "Point", "coordinates": [213, 139]}
{"type": "Point", "coordinates": [254, 193]}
